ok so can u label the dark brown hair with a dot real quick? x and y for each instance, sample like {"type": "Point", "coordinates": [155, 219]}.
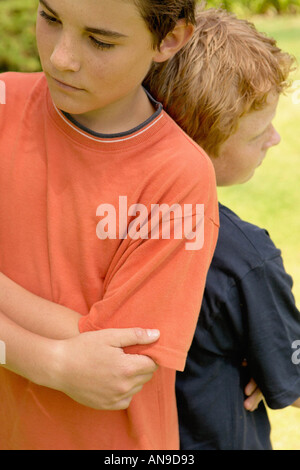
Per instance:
{"type": "Point", "coordinates": [161, 16]}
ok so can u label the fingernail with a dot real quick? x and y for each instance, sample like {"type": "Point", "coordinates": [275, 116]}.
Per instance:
{"type": "Point", "coordinates": [153, 333]}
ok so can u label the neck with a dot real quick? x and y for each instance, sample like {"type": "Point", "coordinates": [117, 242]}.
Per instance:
{"type": "Point", "coordinates": [120, 116]}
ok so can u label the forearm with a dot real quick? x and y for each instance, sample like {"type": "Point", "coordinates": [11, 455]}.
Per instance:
{"type": "Point", "coordinates": [90, 368]}
{"type": "Point", "coordinates": [36, 314]}
{"type": "Point", "coordinates": [28, 354]}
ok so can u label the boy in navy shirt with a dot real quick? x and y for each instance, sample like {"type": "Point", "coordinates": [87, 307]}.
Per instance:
{"type": "Point", "coordinates": [223, 90]}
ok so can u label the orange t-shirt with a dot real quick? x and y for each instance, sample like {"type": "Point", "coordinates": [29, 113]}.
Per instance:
{"type": "Point", "coordinates": [56, 181]}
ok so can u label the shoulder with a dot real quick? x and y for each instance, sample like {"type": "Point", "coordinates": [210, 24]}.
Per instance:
{"type": "Point", "coordinates": [187, 161]}
{"type": "Point", "coordinates": [242, 246]}
{"type": "Point", "coordinates": [19, 77]}
{"type": "Point", "coordinates": [20, 82]}
{"type": "Point", "coordinates": [19, 85]}
{"type": "Point", "coordinates": [179, 139]}
{"type": "Point", "coordinates": [22, 90]}
{"type": "Point", "coordinates": [184, 149]}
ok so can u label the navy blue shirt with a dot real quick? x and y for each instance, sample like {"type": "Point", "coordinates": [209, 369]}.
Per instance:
{"type": "Point", "coordinates": [248, 312]}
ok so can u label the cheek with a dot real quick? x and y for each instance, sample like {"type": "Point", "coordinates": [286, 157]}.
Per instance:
{"type": "Point", "coordinates": [120, 69]}
{"type": "Point", "coordinates": [247, 160]}
{"type": "Point", "coordinates": [44, 41]}
{"type": "Point", "coordinates": [41, 32]}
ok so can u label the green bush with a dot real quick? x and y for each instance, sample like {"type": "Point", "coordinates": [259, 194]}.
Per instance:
{"type": "Point", "coordinates": [258, 7]}
{"type": "Point", "coordinates": [18, 49]}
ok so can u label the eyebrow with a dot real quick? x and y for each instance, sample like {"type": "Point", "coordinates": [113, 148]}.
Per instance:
{"type": "Point", "coordinates": [101, 32]}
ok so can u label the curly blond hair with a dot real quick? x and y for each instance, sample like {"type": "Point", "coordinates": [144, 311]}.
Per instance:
{"type": "Point", "coordinates": [227, 70]}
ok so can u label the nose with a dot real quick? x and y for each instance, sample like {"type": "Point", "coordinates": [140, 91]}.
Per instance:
{"type": "Point", "coordinates": [64, 57]}
{"type": "Point", "coordinates": [274, 138]}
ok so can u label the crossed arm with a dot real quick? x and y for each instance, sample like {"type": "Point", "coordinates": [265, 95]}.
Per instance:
{"type": "Point", "coordinates": [33, 328]}
{"type": "Point", "coordinates": [43, 344]}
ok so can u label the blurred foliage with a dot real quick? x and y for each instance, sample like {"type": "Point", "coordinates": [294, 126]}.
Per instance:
{"type": "Point", "coordinates": [18, 49]}
{"type": "Point", "coordinates": [258, 7]}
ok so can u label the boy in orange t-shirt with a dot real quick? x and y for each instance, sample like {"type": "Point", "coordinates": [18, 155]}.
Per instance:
{"type": "Point", "coordinates": [108, 223]}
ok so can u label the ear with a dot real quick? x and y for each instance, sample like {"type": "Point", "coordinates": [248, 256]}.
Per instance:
{"type": "Point", "coordinates": [174, 41]}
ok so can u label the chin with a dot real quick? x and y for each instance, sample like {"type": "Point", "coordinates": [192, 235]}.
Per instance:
{"type": "Point", "coordinates": [234, 181]}
{"type": "Point", "coordinates": [68, 104]}
{"type": "Point", "coordinates": [248, 178]}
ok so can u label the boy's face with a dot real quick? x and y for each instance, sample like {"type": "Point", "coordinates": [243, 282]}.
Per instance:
{"type": "Point", "coordinates": [245, 150]}
{"type": "Point", "coordinates": [100, 49]}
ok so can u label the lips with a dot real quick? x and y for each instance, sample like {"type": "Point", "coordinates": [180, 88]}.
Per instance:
{"type": "Point", "coordinates": [60, 82]}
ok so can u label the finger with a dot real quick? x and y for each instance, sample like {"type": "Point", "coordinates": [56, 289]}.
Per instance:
{"type": "Point", "coordinates": [125, 400]}
{"type": "Point", "coordinates": [252, 402]}
{"type": "Point", "coordinates": [122, 404]}
{"type": "Point", "coordinates": [138, 365]}
{"type": "Point", "coordinates": [250, 387]}
{"type": "Point", "coordinates": [122, 338]}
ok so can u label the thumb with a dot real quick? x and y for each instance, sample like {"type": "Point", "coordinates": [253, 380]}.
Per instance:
{"type": "Point", "coordinates": [121, 338]}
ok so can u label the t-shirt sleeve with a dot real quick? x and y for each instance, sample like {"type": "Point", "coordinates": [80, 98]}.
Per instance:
{"type": "Point", "coordinates": [14, 90]}
{"type": "Point", "coordinates": [273, 325]}
{"type": "Point", "coordinates": [159, 283]}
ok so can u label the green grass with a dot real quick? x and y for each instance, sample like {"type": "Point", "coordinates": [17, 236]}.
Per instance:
{"type": "Point", "coordinates": [272, 200]}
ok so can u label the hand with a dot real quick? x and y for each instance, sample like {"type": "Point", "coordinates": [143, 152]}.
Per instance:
{"type": "Point", "coordinates": [254, 396]}
{"type": "Point", "coordinates": [93, 369]}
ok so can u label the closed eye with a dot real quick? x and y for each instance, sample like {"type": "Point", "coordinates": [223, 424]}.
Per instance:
{"type": "Point", "coordinates": [50, 19]}
{"type": "Point", "coordinates": [100, 44]}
